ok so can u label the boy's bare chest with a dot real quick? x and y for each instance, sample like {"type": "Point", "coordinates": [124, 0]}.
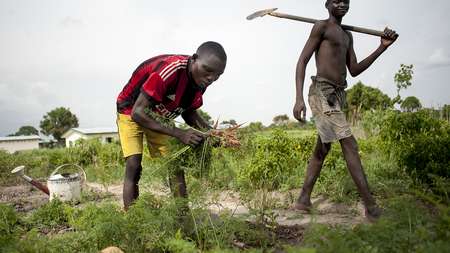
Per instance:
{"type": "Point", "coordinates": [336, 37]}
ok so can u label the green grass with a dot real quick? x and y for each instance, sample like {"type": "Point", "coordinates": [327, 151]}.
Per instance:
{"type": "Point", "coordinates": [416, 219]}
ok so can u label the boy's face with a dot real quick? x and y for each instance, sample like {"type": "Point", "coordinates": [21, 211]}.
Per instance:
{"type": "Point", "coordinates": [338, 8]}
{"type": "Point", "coordinates": [206, 69]}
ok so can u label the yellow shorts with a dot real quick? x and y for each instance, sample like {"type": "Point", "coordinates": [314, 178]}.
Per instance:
{"type": "Point", "coordinates": [132, 135]}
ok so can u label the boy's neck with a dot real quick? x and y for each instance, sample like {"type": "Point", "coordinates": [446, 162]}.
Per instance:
{"type": "Point", "coordinates": [335, 20]}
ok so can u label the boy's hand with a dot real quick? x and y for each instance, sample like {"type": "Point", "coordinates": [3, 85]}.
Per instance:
{"type": "Point", "coordinates": [389, 37]}
{"type": "Point", "coordinates": [191, 137]}
{"type": "Point", "coordinates": [300, 110]}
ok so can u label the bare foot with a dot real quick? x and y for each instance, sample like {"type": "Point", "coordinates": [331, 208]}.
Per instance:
{"type": "Point", "coordinates": [299, 206]}
{"type": "Point", "coordinates": [373, 213]}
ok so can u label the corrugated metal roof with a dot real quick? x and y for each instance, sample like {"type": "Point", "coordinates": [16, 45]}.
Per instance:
{"type": "Point", "coordinates": [20, 138]}
{"type": "Point", "coordinates": [96, 130]}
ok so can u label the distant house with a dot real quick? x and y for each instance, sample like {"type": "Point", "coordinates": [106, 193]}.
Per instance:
{"type": "Point", "coordinates": [16, 143]}
{"type": "Point", "coordinates": [104, 134]}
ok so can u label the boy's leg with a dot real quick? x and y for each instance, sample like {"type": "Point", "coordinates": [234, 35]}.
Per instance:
{"type": "Point", "coordinates": [132, 175]}
{"type": "Point", "coordinates": [312, 173]}
{"type": "Point", "coordinates": [351, 155]}
{"type": "Point", "coordinates": [131, 140]}
{"type": "Point", "coordinates": [157, 147]}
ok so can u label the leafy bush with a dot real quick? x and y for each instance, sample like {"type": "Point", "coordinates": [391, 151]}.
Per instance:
{"type": "Point", "coordinates": [51, 215]}
{"type": "Point", "coordinates": [407, 226]}
{"type": "Point", "coordinates": [419, 142]}
{"type": "Point", "coordinates": [102, 162]}
{"type": "Point", "coordinates": [275, 159]}
{"type": "Point", "coordinates": [8, 227]}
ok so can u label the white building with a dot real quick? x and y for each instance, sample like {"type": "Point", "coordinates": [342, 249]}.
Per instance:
{"type": "Point", "coordinates": [104, 134]}
{"type": "Point", "coordinates": [16, 143]}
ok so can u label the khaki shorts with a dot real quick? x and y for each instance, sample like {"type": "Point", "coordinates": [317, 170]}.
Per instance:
{"type": "Point", "coordinates": [327, 101]}
{"type": "Point", "coordinates": [132, 138]}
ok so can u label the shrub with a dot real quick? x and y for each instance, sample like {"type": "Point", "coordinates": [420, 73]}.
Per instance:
{"type": "Point", "coordinates": [275, 159]}
{"type": "Point", "coordinates": [419, 142]}
{"type": "Point", "coordinates": [51, 215]}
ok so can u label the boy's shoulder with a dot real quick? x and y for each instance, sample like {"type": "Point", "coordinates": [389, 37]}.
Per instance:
{"type": "Point", "coordinates": [320, 26]}
{"type": "Point", "coordinates": [321, 23]}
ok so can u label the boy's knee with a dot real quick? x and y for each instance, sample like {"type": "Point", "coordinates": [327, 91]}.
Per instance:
{"type": "Point", "coordinates": [322, 152]}
{"type": "Point", "coordinates": [350, 144]}
{"type": "Point", "coordinates": [133, 161]}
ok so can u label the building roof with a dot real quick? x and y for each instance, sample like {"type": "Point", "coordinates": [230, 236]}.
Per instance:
{"type": "Point", "coordinates": [89, 131]}
{"type": "Point", "coordinates": [20, 138]}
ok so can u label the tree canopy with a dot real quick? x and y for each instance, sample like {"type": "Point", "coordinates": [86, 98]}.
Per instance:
{"type": "Point", "coordinates": [26, 130]}
{"type": "Point", "coordinates": [411, 104]}
{"type": "Point", "coordinates": [361, 98]}
{"type": "Point", "coordinates": [280, 119]}
{"type": "Point", "coordinates": [57, 122]}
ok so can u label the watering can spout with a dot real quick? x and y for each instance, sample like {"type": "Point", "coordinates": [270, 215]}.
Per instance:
{"type": "Point", "coordinates": [19, 171]}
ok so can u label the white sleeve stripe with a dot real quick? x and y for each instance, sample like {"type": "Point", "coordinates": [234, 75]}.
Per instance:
{"type": "Point", "coordinates": [171, 66]}
{"type": "Point", "coordinates": [173, 71]}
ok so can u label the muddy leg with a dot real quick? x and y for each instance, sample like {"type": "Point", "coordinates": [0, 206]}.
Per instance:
{"type": "Point", "coordinates": [351, 155]}
{"type": "Point", "coordinates": [132, 175]}
{"type": "Point", "coordinates": [312, 173]}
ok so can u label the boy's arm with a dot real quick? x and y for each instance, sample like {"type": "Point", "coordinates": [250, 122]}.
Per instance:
{"type": "Point", "coordinates": [356, 68]}
{"type": "Point", "coordinates": [189, 137]}
{"type": "Point", "coordinates": [311, 45]}
{"type": "Point", "coordinates": [193, 119]}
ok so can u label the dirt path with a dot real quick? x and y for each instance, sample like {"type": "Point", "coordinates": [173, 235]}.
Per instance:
{"type": "Point", "coordinates": [25, 198]}
{"type": "Point", "coordinates": [325, 211]}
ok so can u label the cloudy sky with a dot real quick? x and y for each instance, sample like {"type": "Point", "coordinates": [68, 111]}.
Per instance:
{"type": "Point", "coordinates": [80, 54]}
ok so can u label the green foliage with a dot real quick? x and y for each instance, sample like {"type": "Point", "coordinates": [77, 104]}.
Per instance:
{"type": "Point", "coordinates": [372, 121]}
{"type": "Point", "coordinates": [411, 104]}
{"type": "Point", "coordinates": [51, 215]}
{"type": "Point", "coordinates": [57, 122]}
{"type": "Point", "coordinates": [255, 126]}
{"type": "Point", "coordinates": [179, 245]}
{"type": "Point", "coordinates": [194, 160]}
{"type": "Point", "coordinates": [407, 226]}
{"type": "Point", "coordinates": [26, 130]}
{"type": "Point", "coordinates": [402, 80]}
{"type": "Point", "coordinates": [420, 143]}
{"type": "Point", "coordinates": [9, 222]}
{"type": "Point", "coordinates": [274, 161]}
{"type": "Point", "coordinates": [280, 120]}
{"type": "Point", "coordinates": [150, 221]}
{"type": "Point", "coordinates": [205, 116]}
{"type": "Point", "coordinates": [103, 162]}
{"type": "Point", "coordinates": [361, 98]}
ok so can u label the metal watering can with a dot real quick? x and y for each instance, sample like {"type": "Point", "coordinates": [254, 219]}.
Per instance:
{"type": "Point", "coordinates": [64, 186]}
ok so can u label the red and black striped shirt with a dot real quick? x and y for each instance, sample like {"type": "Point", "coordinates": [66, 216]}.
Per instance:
{"type": "Point", "coordinates": [165, 80]}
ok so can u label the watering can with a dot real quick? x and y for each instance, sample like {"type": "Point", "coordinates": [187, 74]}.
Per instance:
{"type": "Point", "coordinates": [64, 186]}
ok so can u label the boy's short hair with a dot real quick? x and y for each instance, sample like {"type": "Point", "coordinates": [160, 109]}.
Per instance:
{"type": "Point", "coordinates": [212, 47]}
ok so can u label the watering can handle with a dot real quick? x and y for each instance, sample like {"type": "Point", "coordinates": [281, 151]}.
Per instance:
{"type": "Point", "coordinates": [71, 164]}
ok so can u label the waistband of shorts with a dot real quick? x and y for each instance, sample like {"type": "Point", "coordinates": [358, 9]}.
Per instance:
{"type": "Point", "coordinates": [323, 79]}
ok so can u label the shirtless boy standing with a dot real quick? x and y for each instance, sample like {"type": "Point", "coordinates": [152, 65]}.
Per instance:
{"type": "Point", "coordinates": [334, 52]}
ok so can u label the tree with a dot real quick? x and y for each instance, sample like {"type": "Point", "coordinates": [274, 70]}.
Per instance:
{"type": "Point", "coordinates": [411, 104]}
{"type": "Point", "coordinates": [57, 122]}
{"type": "Point", "coordinates": [231, 122]}
{"type": "Point", "coordinates": [26, 130]}
{"type": "Point", "coordinates": [402, 80]}
{"type": "Point", "coordinates": [280, 120]}
{"type": "Point", "coordinates": [445, 113]}
{"type": "Point", "coordinates": [255, 126]}
{"type": "Point", "coordinates": [361, 98]}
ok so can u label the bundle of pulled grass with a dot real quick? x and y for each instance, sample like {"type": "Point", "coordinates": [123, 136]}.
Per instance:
{"type": "Point", "coordinates": [196, 160]}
